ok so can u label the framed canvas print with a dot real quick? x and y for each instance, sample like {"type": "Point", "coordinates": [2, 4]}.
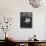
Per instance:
{"type": "Point", "coordinates": [26, 19]}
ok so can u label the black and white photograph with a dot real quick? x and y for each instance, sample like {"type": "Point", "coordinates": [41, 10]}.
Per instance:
{"type": "Point", "coordinates": [26, 19]}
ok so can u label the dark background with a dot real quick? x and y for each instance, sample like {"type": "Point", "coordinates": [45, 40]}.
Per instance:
{"type": "Point", "coordinates": [23, 16]}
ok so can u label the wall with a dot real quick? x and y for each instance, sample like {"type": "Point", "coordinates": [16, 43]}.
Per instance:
{"type": "Point", "coordinates": [12, 8]}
